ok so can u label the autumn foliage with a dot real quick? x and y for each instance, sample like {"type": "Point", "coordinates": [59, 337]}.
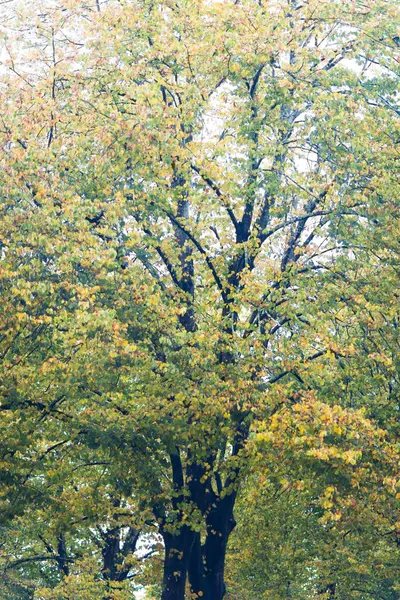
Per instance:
{"type": "Point", "coordinates": [199, 271]}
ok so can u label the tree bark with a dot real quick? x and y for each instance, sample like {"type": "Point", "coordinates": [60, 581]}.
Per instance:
{"type": "Point", "coordinates": [220, 524]}
{"type": "Point", "coordinates": [177, 555]}
{"type": "Point", "coordinates": [62, 561]}
{"type": "Point", "coordinates": [207, 561]}
{"type": "Point", "coordinates": [197, 576]}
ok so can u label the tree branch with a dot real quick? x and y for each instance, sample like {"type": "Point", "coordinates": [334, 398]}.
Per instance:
{"type": "Point", "coordinates": [220, 195]}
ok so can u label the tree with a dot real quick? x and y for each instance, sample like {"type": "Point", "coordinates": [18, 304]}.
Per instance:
{"type": "Point", "coordinates": [285, 546]}
{"type": "Point", "coordinates": [296, 536]}
{"type": "Point", "coordinates": [181, 192]}
{"type": "Point", "coordinates": [81, 527]}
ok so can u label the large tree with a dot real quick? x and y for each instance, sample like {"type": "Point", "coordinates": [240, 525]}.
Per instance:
{"type": "Point", "coordinates": [188, 191]}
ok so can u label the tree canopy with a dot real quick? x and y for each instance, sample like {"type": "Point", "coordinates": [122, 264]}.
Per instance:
{"type": "Point", "coordinates": [199, 322]}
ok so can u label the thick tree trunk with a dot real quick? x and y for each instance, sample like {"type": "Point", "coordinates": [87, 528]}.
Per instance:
{"type": "Point", "coordinates": [220, 523]}
{"type": "Point", "coordinates": [177, 555]}
{"type": "Point", "coordinates": [197, 577]}
{"type": "Point", "coordinates": [207, 561]}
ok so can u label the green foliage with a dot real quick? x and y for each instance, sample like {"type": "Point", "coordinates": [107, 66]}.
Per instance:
{"type": "Point", "coordinates": [199, 272]}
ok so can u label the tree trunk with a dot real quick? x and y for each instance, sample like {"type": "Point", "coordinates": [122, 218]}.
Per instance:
{"type": "Point", "coordinates": [220, 524]}
{"type": "Point", "coordinates": [177, 554]}
{"type": "Point", "coordinates": [196, 571]}
{"type": "Point", "coordinates": [207, 561]}
{"type": "Point", "coordinates": [62, 553]}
